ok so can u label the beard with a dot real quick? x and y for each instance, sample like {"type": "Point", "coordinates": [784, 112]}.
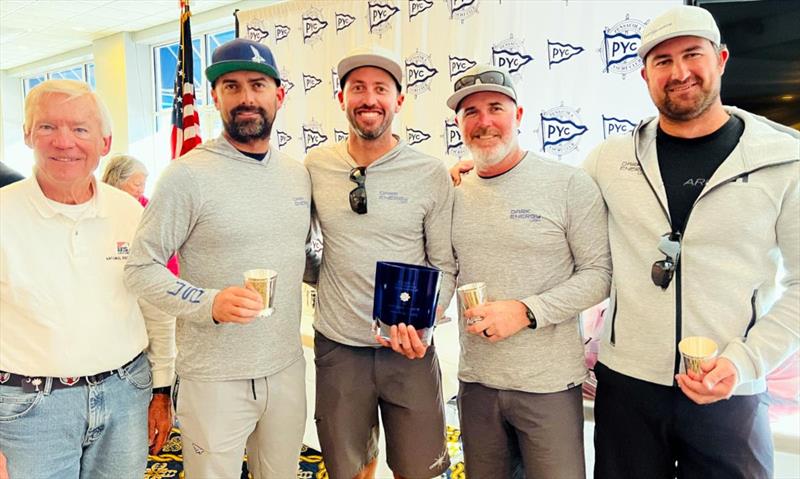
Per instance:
{"type": "Point", "coordinates": [485, 158]}
{"type": "Point", "coordinates": [368, 134]}
{"type": "Point", "coordinates": [246, 131]}
{"type": "Point", "coordinates": [688, 110]}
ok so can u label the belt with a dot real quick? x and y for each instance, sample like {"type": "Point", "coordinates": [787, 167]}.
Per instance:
{"type": "Point", "coordinates": [30, 384]}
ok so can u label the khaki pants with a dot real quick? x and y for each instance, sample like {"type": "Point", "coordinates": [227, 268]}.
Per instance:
{"type": "Point", "coordinates": [219, 420]}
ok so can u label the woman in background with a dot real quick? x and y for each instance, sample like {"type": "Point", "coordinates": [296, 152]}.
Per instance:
{"type": "Point", "coordinates": [128, 174]}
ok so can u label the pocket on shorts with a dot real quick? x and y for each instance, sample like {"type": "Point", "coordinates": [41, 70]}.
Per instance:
{"type": "Point", "coordinates": [15, 404]}
{"type": "Point", "coordinates": [139, 373]}
{"type": "Point", "coordinates": [326, 351]}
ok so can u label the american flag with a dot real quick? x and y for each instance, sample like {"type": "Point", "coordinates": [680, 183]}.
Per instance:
{"type": "Point", "coordinates": [185, 120]}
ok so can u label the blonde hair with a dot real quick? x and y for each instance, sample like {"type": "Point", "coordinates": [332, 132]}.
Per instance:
{"type": "Point", "coordinates": [72, 89]}
{"type": "Point", "coordinates": [121, 167]}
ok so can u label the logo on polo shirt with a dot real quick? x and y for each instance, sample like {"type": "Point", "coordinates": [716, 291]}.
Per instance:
{"type": "Point", "coordinates": [617, 126]}
{"type": "Point", "coordinates": [392, 196]}
{"type": "Point", "coordinates": [300, 201]}
{"type": "Point", "coordinates": [510, 55]}
{"type": "Point", "coordinates": [379, 14]}
{"type": "Point", "coordinates": [558, 52]}
{"type": "Point", "coordinates": [462, 9]}
{"type": "Point", "coordinates": [123, 249]}
{"type": "Point", "coordinates": [630, 167]}
{"type": "Point", "coordinates": [561, 130]}
{"type": "Point", "coordinates": [343, 20]}
{"type": "Point", "coordinates": [415, 7]}
{"type": "Point", "coordinates": [525, 214]}
{"type": "Point", "coordinates": [620, 43]}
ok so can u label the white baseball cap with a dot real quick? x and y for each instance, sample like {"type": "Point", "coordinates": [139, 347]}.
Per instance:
{"type": "Point", "coordinates": [481, 78]}
{"type": "Point", "coordinates": [370, 56]}
{"type": "Point", "coordinates": [681, 21]}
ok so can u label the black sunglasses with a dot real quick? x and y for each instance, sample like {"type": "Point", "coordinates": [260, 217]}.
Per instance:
{"type": "Point", "coordinates": [358, 195]}
{"type": "Point", "coordinates": [493, 77]}
{"type": "Point", "coordinates": [662, 271]}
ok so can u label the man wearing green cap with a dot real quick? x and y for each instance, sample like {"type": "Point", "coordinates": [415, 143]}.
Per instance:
{"type": "Point", "coordinates": [703, 207]}
{"type": "Point", "coordinates": [230, 205]}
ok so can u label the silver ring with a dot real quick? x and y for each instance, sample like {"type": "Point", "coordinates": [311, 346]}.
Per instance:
{"type": "Point", "coordinates": [474, 320]}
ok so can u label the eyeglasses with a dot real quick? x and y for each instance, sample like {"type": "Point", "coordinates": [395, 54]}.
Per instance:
{"type": "Point", "coordinates": [662, 271]}
{"type": "Point", "coordinates": [358, 195]}
{"type": "Point", "coordinates": [494, 77]}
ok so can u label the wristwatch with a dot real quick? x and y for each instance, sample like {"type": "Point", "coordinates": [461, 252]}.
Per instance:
{"type": "Point", "coordinates": [530, 316]}
{"type": "Point", "coordinates": [162, 390]}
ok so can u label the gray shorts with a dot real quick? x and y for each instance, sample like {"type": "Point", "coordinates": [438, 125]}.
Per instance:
{"type": "Point", "coordinates": [353, 384]}
{"type": "Point", "coordinates": [505, 431]}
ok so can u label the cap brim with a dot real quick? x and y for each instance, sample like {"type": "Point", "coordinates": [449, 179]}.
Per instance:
{"type": "Point", "coordinates": [367, 60]}
{"type": "Point", "coordinates": [645, 48]}
{"type": "Point", "coordinates": [456, 97]}
{"type": "Point", "coordinates": [218, 69]}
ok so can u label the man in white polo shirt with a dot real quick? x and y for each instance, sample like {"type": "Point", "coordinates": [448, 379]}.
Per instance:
{"type": "Point", "coordinates": [75, 385]}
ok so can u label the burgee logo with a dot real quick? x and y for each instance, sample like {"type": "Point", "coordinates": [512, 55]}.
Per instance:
{"type": "Point", "coordinates": [339, 135]}
{"type": "Point", "coordinates": [337, 87]}
{"type": "Point", "coordinates": [313, 25]}
{"type": "Point", "coordinates": [283, 139]}
{"type": "Point", "coordinates": [558, 52]}
{"type": "Point", "coordinates": [620, 43]}
{"type": "Point", "coordinates": [414, 136]}
{"type": "Point", "coordinates": [310, 82]}
{"type": "Point", "coordinates": [313, 135]}
{"type": "Point", "coordinates": [379, 14]}
{"type": "Point", "coordinates": [510, 55]}
{"type": "Point", "coordinates": [561, 130]}
{"type": "Point", "coordinates": [617, 126]}
{"type": "Point", "coordinates": [462, 9]}
{"type": "Point", "coordinates": [415, 7]}
{"type": "Point", "coordinates": [281, 32]}
{"type": "Point", "coordinates": [454, 145]}
{"type": "Point", "coordinates": [343, 20]}
{"type": "Point", "coordinates": [459, 65]}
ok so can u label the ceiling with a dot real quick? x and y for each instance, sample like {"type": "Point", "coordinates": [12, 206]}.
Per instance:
{"type": "Point", "coordinates": [31, 30]}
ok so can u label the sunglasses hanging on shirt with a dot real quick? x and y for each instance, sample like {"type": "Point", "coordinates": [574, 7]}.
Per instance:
{"type": "Point", "coordinates": [358, 195]}
{"type": "Point", "coordinates": [662, 271]}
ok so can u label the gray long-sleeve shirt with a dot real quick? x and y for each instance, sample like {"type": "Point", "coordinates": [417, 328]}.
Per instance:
{"type": "Point", "coordinates": [225, 213]}
{"type": "Point", "coordinates": [409, 202]}
{"type": "Point", "coordinates": [536, 234]}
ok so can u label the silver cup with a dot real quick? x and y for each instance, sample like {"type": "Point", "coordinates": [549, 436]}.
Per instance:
{"type": "Point", "coordinates": [471, 295]}
{"type": "Point", "coordinates": [695, 351]}
{"type": "Point", "coordinates": [263, 281]}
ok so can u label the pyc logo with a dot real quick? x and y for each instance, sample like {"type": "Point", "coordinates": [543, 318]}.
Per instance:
{"type": "Point", "coordinates": [462, 9]}
{"type": "Point", "coordinates": [287, 85]}
{"type": "Point", "coordinates": [379, 16]}
{"type": "Point", "coordinates": [453, 142]}
{"type": "Point", "coordinates": [560, 52]}
{"type": "Point", "coordinates": [283, 139]}
{"type": "Point", "coordinates": [337, 86]}
{"type": "Point", "coordinates": [343, 20]}
{"type": "Point", "coordinates": [620, 43]}
{"type": "Point", "coordinates": [281, 32]}
{"type": "Point", "coordinates": [561, 130]}
{"type": "Point", "coordinates": [256, 31]}
{"type": "Point", "coordinates": [310, 82]}
{"type": "Point", "coordinates": [339, 135]}
{"type": "Point", "coordinates": [414, 137]}
{"type": "Point", "coordinates": [617, 126]}
{"type": "Point", "coordinates": [415, 7]}
{"type": "Point", "coordinates": [313, 136]}
{"type": "Point", "coordinates": [459, 65]}
{"type": "Point", "coordinates": [419, 72]}
{"type": "Point", "coordinates": [313, 25]}
{"type": "Point", "coordinates": [509, 55]}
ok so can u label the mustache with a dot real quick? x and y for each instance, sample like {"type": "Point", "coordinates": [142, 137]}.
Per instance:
{"type": "Point", "coordinates": [688, 81]}
{"type": "Point", "coordinates": [248, 109]}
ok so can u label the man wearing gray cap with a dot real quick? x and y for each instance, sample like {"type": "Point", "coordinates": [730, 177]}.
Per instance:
{"type": "Point", "coordinates": [522, 364]}
{"type": "Point", "coordinates": [377, 199]}
{"type": "Point", "coordinates": [703, 207]}
{"type": "Point", "coordinates": [230, 205]}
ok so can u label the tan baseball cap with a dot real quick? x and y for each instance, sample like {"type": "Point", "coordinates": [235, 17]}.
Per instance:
{"type": "Point", "coordinates": [370, 56]}
{"type": "Point", "coordinates": [481, 78]}
{"type": "Point", "coordinates": [682, 21]}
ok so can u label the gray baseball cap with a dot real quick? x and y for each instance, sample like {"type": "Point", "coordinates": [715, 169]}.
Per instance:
{"type": "Point", "coordinates": [481, 78]}
{"type": "Point", "coordinates": [681, 21]}
{"type": "Point", "coordinates": [370, 56]}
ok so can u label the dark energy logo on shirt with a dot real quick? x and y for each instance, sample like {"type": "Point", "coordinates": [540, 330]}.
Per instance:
{"type": "Point", "coordinates": [510, 55]}
{"type": "Point", "coordinates": [617, 126]}
{"type": "Point", "coordinates": [620, 43]}
{"type": "Point", "coordinates": [379, 14]}
{"type": "Point", "coordinates": [310, 82]}
{"type": "Point", "coordinates": [343, 20]}
{"type": "Point", "coordinates": [419, 72]}
{"type": "Point", "coordinates": [462, 9]}
{"type": "Point", "coordinates": [313, 25]}
{"type": "Point", "coordinates": [313, 136]}
{"type": "Point", "coordinates": [561, 130]}
{"type": "Point", "coordinates": [415, 7]}
{"type": "Point", "coordinates": [454, 145]}
{"type": "Point", "coordinates": [415, 137]}
{"type": "Point", "coordinates": [283, 139]}
{"type": "Point", "coordinates": [558, 52]}
{"type": "Point", "coordinates": [459, 65]}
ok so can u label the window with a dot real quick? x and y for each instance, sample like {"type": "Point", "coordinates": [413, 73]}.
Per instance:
{"type": "Point", "coordinates": [82, 72]}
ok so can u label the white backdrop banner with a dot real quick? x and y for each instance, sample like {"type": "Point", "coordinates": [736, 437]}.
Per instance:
{"type": "Point", "coordinates": [574, 64]}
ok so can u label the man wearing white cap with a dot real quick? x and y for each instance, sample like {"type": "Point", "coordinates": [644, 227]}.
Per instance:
{"type": "Point", "coordinates": [703, 208]}
{"type": "Point", "coordinates": [522, 364]}
{"type": "Point", "coordinates": [377, 199]}
{"type": "Point", "coordinates": [230, 205]}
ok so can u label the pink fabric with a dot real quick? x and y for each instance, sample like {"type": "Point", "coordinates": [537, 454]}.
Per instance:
{"type": "Point", "coordinates": [172, 264]}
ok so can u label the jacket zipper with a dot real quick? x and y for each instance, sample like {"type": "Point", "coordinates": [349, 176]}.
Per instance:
{"type": "Point", "coordinates": [753, 314]}
{"type": "Point", "coordinates": [614, 321]}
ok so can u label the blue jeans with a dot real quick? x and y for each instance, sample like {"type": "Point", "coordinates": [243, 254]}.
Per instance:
{"type": "Point", "coordinates": [87, 431]}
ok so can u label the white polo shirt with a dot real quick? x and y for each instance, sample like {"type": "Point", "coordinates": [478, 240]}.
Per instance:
{"type": "Point", "coordinates": [64, 310]}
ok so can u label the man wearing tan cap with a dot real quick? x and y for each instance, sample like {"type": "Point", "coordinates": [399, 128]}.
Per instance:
{"type": "Point", "coordinates": [521, 364]}
{"type": "Point", "coordinates": [703, 208]}
{"type": "Point", "coordinates": [377, 199]}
